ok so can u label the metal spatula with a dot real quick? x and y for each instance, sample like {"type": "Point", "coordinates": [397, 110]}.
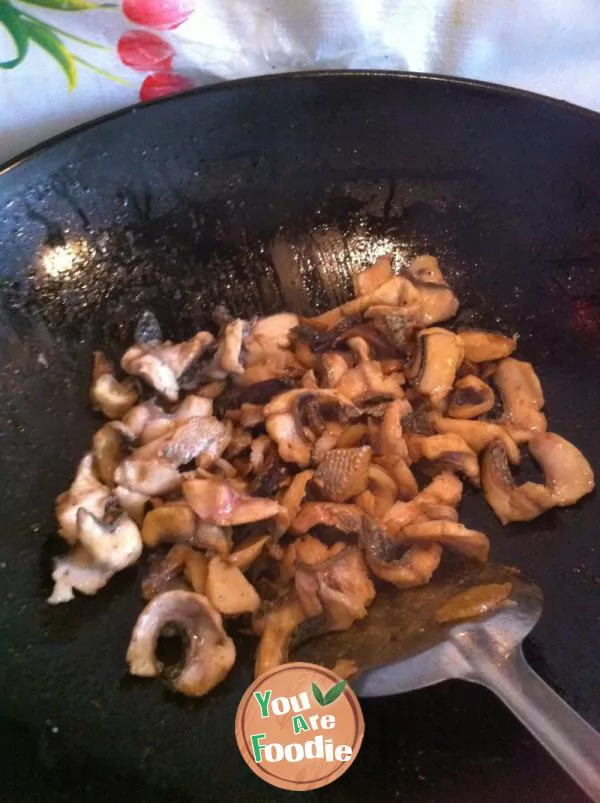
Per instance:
{"type": "Point", "coordinates": [399, 647]}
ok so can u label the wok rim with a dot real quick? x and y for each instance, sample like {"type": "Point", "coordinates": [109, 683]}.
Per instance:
{"type": "Point", "coordinates": [299, 75]}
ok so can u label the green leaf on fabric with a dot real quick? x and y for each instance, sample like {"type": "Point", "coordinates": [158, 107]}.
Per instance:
{"type": "Point", "coordinates": [43, 36]}
{"type": "Point", "coordinates": [13, 22]}
{"type": "Point", "coordinates": [335, 691]}
{"type": "Point", "coordinates": [67, 5]}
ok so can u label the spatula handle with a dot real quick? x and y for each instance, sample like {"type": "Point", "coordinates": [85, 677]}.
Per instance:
{"type": "Point", "coordinates": [564, 734]}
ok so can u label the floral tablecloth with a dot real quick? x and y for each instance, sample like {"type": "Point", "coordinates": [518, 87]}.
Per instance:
{"type": "Point", "coordinates": [66, 61]}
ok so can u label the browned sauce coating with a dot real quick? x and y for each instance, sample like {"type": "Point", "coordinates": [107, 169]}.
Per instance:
{"type": "Point", "coordinates": [474, 602]}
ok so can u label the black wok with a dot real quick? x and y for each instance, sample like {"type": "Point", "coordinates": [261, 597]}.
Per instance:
{"type": "Point", "coordinates": [265, 194]}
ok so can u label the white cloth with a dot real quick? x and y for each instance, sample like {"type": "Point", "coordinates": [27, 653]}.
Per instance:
{"type": "Point", "coordinates": [549, 46]}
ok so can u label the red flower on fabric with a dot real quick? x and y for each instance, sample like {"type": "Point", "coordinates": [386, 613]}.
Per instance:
{"type": "Point", "coordinates": [145, 51]}
{"type": "Point", "coordinates": [164, 15]}
{"type": "Point", "coordinates": [159, 85]}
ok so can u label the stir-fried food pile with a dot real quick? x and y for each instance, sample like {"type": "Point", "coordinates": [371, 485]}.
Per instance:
{"type": "Point", "coordinates": [284, 469]}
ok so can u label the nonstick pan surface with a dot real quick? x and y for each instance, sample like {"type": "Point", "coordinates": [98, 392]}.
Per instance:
{"type": "Point", "coordinates": [266, 194]}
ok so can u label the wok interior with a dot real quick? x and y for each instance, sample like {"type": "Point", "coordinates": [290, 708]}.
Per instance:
{"type": "Point", "coordinates": [269, 204]}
